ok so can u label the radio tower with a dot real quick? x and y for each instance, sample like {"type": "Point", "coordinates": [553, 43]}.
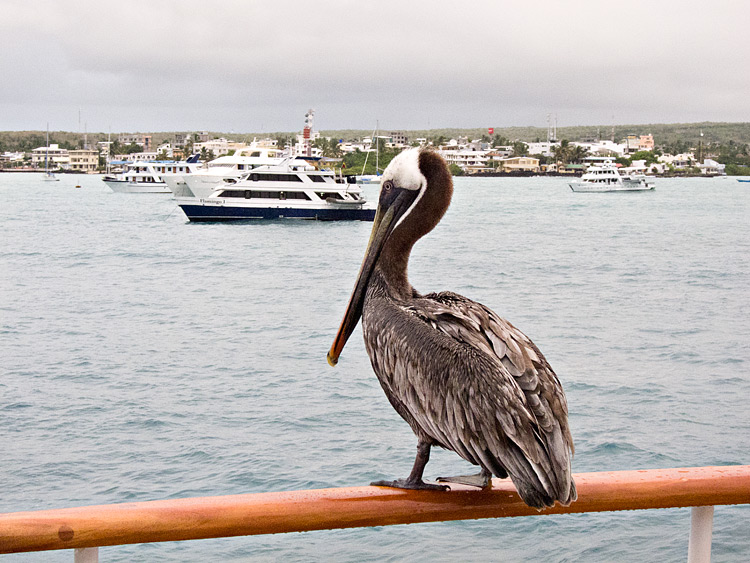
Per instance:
{"type": "Point", "coordinates": [307, 131]}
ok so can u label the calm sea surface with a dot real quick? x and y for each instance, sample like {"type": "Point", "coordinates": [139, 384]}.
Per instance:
{"type": "Point", "coordinates": [145, 358]}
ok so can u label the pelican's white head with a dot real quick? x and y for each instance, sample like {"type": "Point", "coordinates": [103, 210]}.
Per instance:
{"type": "Point", "coordinates": [404, 171]}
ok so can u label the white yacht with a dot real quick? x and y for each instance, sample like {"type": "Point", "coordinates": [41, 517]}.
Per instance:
{"type": "Point", "coordinates": [203, 182]}
{"type": "Point", "coordinates": [148, 176]}
{"type": "Point", "coordinates": [291, 190]}
{"type": "Point", "coordinates": [606, 178]}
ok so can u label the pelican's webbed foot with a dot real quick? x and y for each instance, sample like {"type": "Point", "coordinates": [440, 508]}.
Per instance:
{"type": "Point", "coordinates": [414, 480]}
{"type": "Point", "coordinates": [411, 484]}
{"type": "Point", "coordinates": [481, 479]}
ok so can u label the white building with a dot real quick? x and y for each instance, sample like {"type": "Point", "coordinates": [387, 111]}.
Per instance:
{"type": "Point", "coordinates": [219, 147]}
{"type": "Point", "coordinates": [604, 148]}
{"type": "Point", "coordinates": [643, 167]}
{"type": "Point", "coordinates": [57, 157]}
{"type": "Point", "coordinates": [543, 148]}
{"type": "Point", "coordinates": [11, 157]}
{"type": "Point", "coordinates": [712, 168]}
{"type": "Point", "coordinates": [165, 149]}
{"type": "Point", "coordinates": [465, 158]}
{"type": "Point", "coordinates": [678, 161]}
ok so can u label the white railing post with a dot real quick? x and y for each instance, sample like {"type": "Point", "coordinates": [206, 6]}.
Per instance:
{"type": "Point", "coordinates": [86, 555]}
{"type": "Point", "coordinates": [701, 529]}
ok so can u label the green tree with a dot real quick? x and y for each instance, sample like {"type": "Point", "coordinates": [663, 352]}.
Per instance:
{"type": "Point", "coordinates": [648, 156]}
{"type": "Point", "coordinates": [204, 154]}
{"type": "Point", "coordinates": [500, 141]}
{"type": "Point", "coordinates": [578, 153]}
{"type": "Point", "coordinates": [624, 161]}
{"type": "Point", "coordinates": [562, 152]}
{"type": "Point", "coordinates": [520, 149]}
{"type": "Point", "coordinates": [329, 147]}
{"type": "Point", "coordinates": [737, 170]}
{"type": "Point", "coordinates": [456, 170]}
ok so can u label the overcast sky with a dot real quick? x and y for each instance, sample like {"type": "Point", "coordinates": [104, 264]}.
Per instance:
{"type": "Point", "coordinates": [247, 66]}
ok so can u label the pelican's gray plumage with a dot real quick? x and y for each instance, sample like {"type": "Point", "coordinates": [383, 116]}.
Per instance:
{"type": "Point", "coordinates": [461, 376]}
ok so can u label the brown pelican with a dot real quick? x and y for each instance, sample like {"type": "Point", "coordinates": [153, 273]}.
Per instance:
{"type": "Point", "coordinates": [461, 376]}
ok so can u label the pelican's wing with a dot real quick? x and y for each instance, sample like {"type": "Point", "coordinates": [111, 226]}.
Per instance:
{"type": "Point", "coordinates": [504, 405]}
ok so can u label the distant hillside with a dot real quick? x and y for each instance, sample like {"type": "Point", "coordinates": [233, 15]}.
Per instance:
{"type": "Point", "coordinates": [664, 134]}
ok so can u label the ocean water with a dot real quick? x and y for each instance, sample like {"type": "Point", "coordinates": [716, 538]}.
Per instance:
{"type": "Point", "coordinates": [145, 358]}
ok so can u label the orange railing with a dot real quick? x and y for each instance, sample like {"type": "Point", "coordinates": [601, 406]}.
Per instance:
{"type": "Point", "coordinates": [298, 511]}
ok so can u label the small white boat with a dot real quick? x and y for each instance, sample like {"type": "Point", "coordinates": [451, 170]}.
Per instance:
{"type": "Point", "coordinates": [368, 179]}
{"type": "Point", "coordinates": [148, 176]}
{"type": "Point", "coordinates": [606, 178]}
{"type": "Point", "coordinates": [284, 191]}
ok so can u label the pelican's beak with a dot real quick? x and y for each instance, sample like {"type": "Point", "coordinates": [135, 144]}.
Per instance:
{"type": "Point", "coordinates": [391, 208]}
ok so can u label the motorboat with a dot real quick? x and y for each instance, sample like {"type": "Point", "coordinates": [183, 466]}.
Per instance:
{"type": "Point", "coordinates": [606, 178]}
{"type": "Point", "coordinates": [142, 176]}
{"type": "Point", "coordinates": [369, 179]}
{"type": "Point", "coordinates": [287, 191]}
{"type": "Point", "coordinates": [202, 183]}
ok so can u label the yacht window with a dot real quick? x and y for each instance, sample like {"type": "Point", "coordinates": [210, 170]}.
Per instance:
{"type": "Point", "coordinates": [326, 195]}
{"type": "Point", "coordinates": [234, 193]}
{"type": "Point", "coordinates": [256, 153]}
{"type": "Point", "coordinates": [275, 177]}
{"type": "Point", "coordinates": [317, 178]}
{"type": "Point", "coordinates": [256, 194]}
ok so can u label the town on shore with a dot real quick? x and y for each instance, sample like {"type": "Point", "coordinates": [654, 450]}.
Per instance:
{"type": "Point", "coordinates": [489, 152]}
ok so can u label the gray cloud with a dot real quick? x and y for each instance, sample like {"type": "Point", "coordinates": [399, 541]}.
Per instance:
{"type": "Point", "coordinates": [247, 66]}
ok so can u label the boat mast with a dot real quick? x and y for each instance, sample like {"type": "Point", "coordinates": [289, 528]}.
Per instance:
{"type": "Point", "coordinates": [367, 155]}
{"type": "Point", "coordinates": [46, 154]}
{"type": "Point", "coordinates": [377, 148]}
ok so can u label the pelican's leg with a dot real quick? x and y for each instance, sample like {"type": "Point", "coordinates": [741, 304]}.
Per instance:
{"type": "Point", "coordinates": [414, 480]}
{"type": "Point", "coordinates": [481, 479]}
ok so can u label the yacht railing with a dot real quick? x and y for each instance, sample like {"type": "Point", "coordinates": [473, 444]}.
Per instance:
{"type": "Point", "coordinates": [87, 528]}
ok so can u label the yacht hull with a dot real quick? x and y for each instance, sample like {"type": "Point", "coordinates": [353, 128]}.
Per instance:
{"type": "Point", "coordinates": [208, 212]}
{"type": "Point", "coordinates": [126, 187]}
{"type": "Point", "coordinates": [587, 188]}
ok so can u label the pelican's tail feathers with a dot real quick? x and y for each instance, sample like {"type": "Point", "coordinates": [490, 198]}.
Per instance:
{"type": "Point", "coordinates": [538, 484]}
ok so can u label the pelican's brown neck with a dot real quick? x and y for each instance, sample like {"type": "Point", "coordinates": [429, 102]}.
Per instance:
{"type": "Point", "coordinates": [394, 260]}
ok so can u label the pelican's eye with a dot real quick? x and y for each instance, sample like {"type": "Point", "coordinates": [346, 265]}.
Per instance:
{"type": "Point", "coordinates": [387, 185]}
